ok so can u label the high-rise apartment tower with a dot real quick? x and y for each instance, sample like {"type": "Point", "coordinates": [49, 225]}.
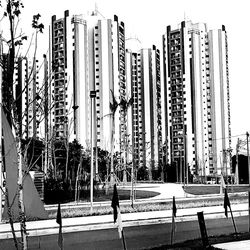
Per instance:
{"type": "Point", "coordinates": [196, 100]}
{"type": "Point", "coordinates": [143, 76]}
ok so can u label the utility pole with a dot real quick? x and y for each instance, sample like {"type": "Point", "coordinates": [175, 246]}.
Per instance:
{"type": "Point", "coordinates": [248, 161]}
{"type": "Point", "coordinates": [177, 169]}
{"type": "Point", "coordinates": [1, 158]}
{"type": "Point", "coordinates": [125, 164]}
{"type": "Point", "coordinates": [186, 155]}
{"type": "Point", "coordinates": [184, 165]}
{"type": "Point", "coordinates": [225, 163]}
{"type": "Point", "coordinates": [92, 97]}
{"type": "Point", "coordinates": [180, 167]}
{"type": "Point", "coordinates": [46, 126]}
{"type": "Point", "coordinates": [50, 131]}
{"type": "Point", "coordinates": [97, 178]}
{"type": "Point", "coordinates": [204, 169]}
{"type": "Point", "coordinates": [237, 161]}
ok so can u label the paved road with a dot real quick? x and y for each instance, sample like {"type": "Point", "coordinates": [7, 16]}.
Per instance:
{"type": "Point", "coordinates": [141, 237]}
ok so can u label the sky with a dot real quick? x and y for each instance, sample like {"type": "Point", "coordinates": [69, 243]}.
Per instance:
{"type": "Point", "coordinates": [147, 21]}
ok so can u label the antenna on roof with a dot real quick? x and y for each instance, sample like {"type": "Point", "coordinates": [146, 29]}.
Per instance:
{"type": "Point", "coordinates": [97, 11]}
{"type": "Point", "coordinates": [186, 17]}
{"type": "Point", "coordinates": [96, 8]}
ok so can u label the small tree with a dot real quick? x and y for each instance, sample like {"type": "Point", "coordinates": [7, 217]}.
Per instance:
{"type": "Point", "coordinates": [82, 176]}
{"type": "Point", "coordinates": [75, 151]}
{"type": "Point", "coordinates": [59, 158]}
{"type": "Point", "coordinates": [12, 11]}
{"type": "Point", "coordinates": [103, 161]}
{"type": "Point", "coordinates": [34, 153]}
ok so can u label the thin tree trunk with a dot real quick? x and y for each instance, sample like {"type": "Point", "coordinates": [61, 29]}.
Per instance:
{"type": "Point", "coordinates": [76, 185]}
{"type": "Point", "coordinates": [106, 181]}
{"type": "Point", "coordinates": [21, 202]}
{"type": "Point", "coordinates": [67, 159]}
{"type": "Point", "coordinates": [10, 81]}
{"type": "Point", "coordinates": [54, 175]}
{"type": "Point", "coordinates": [77, 178]}
{"type": "Point", "coordinates": [112, 179]}
{"type": "Point", "coordinates": [10, 218]}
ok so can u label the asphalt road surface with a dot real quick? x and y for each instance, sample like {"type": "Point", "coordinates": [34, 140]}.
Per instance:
{"type": "Point", "coordinates": [142, 237]}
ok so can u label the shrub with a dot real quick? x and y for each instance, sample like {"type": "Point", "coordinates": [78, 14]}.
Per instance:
{"type": "Point", "coordinates": [57, 191]}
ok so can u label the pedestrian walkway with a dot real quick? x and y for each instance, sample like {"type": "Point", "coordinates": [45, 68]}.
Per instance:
{"type": "Point", "coordinates": [166, 190]}
{"type": "Point", "coordinates": [242, 245]}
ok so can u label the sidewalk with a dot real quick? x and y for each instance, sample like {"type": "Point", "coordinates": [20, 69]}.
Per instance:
{"type": "Point", "coordinates": [166, 190]}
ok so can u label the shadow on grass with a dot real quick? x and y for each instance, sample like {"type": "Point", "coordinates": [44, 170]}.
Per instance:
{"type": "Point", "coordinates": [123, 195]}
{"type": "Point", "coordinates": [99, 196]}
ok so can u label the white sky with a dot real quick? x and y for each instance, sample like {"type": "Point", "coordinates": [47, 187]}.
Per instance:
{"type": "Point", "coordinates": [148, 20]}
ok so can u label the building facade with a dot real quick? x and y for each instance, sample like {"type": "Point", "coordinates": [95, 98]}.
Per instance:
{"type": "Point", "coordinates": [143, 77]}
{"type": "Point", "coordinates": [26, 96]}
{"type": "Point", "coordinates": [195, 71]}
{"type": "Point", "coordinates": [109, 68]}
{"type": "Point", "coordinates": [62, 85]}
{"type": "Point", "coordinates": [88, 54]}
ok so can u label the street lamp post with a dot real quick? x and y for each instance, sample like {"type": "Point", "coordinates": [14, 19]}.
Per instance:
{"type": "Point", "coordinates": [177, 169]}
{"type": "Point", "coordinates": [132, 195]}
{"type": "Point", "coordinates": [132, 185]}
{"type": "Point", "coordinates": [248, 162]}
{"type": "Point", "coordinates": [92, 97]}
{"type": "Point", "coordinates": [181, 167]}
{"type": "Point", "coordinates": [237, 162]}
{"type": "Point", "coordinates": [125, 161]}
{"type": "Point", "coordinates": [225, 163]}
{"type": "Point", "coordinates": [1, 181]}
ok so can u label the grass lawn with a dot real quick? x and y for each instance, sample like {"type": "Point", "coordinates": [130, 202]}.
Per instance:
{"type": "Point", "coordinates": [122, 193]}
{"type": "Point", "coordinates": [214, 189]}
{"type": "Point", "coordinates": [156, 206]}
{"type": "Point", "coordinates": [100, 195]}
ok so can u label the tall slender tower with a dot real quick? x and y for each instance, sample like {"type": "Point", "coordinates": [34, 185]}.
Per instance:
{"type": "Point", "coordinates": [26, 88]}
{"type": "Point", "coordinates": [144, 77]}
{"type": "Point", "coordinates": [109, 52]}
{"type": "Point", "coordinates": [81, 80]}
{"type": "Point", "coordinates": [62, 67]}
{"type": "Point", "coordinates": [133, 84]}
{"type": "Point", "coordinates": [88, 53]}
{"type": "Point", "coordinates": [220, 100]}
{"type": "Point", "coordinates": [195, 72]}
